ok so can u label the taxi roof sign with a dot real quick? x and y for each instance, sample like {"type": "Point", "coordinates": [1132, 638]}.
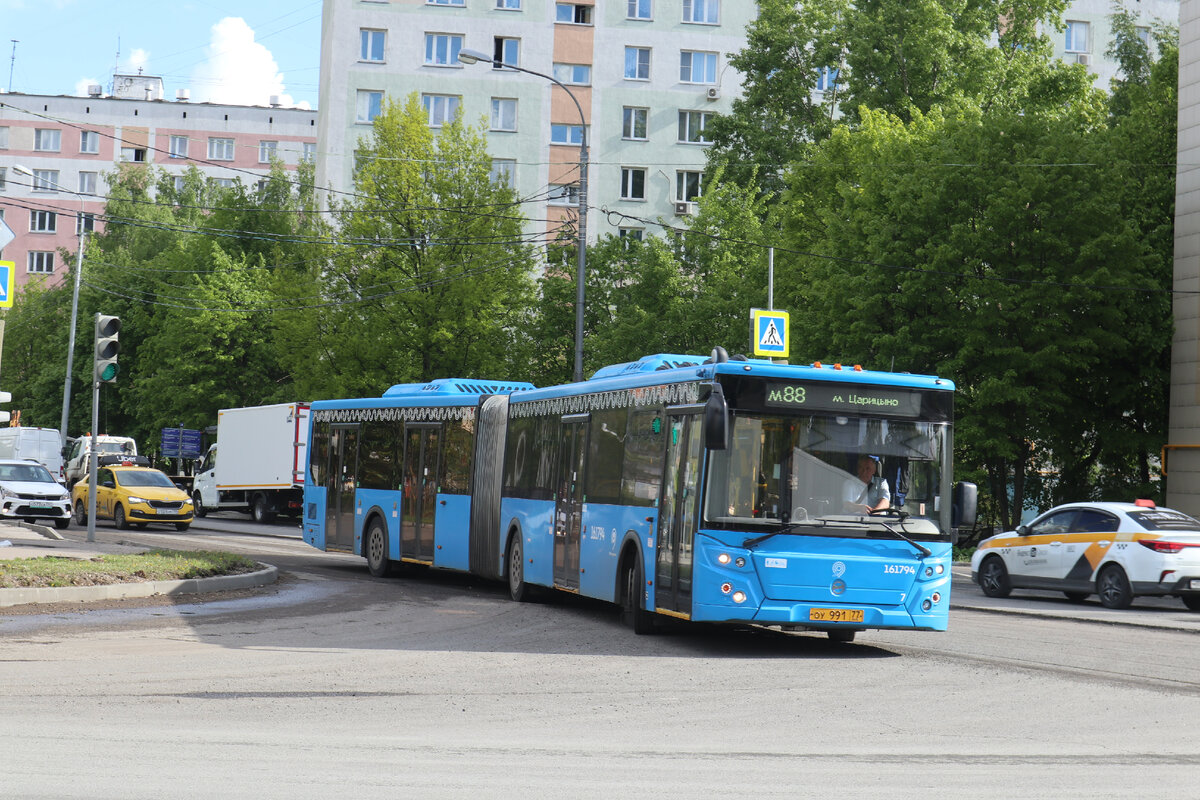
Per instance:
{"type": "Point", "coordinates": [769, 332]}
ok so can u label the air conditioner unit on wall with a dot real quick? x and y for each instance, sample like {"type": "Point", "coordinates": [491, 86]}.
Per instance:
{"type": "Point", "coordinates": [683, 209]}
{"type": "Point", "coordinates": [713, 93]}
{"type": "Point", "coordinates": [1083, 58]}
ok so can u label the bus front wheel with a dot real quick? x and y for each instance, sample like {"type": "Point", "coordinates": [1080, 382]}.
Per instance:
{"type": "Point", "coordinates": [632, 613]}
{"type": "Point", "coordinates": [375, 548]}
{"type": "Point", "coordinates": [518, 589]}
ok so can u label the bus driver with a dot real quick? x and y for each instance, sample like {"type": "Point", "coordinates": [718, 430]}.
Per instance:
{"type": "Point", "coordinates": [867, 493]}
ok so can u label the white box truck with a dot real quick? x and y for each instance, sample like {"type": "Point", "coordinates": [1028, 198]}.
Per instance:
{"type": "Point", "coordinates": [257, 464]}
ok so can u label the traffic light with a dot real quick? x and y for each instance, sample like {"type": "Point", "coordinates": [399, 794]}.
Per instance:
{"type": "Point", "coordinates": [107, 348]}
{"type": "Point", "coordinates": [5, 397]}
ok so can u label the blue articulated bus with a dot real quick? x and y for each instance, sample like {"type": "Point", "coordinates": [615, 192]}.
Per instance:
{"type": "Point", "coordinates": [699, 488]}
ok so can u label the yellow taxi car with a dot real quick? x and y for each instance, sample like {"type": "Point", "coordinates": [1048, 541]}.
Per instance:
{"type": "Point", "coordinates": [134, 496]}
{"type": "Point", "coordinates": [1116, 551]}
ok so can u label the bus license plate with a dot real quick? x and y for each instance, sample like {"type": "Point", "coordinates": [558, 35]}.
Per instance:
{"type": "Point", "coordinates": [835, 615]}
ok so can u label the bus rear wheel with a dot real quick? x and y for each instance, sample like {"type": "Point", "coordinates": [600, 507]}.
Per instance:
{"type": "Point", "coordinates": [375, 548]}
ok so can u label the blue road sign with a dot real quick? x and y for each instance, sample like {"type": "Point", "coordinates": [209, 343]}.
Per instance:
{"type": "Point", "coordinates": [769, 330]}
{"type": "Point", "coordinates": [7, 273]}
{"type": "Point", "coordinates": [180, 443]}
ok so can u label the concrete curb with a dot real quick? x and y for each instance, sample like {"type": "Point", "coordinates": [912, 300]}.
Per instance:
{"type": "Point", "coordinates": [41, 530]}
{"type": "Point", "coordinates": [117, 591]}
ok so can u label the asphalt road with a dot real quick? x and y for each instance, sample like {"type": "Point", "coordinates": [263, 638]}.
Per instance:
{"type": "Point", "coordinates": [335, 684]}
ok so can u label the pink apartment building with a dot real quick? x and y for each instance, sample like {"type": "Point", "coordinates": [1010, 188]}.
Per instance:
{"type": "Point", "coordinates": [57, 151]}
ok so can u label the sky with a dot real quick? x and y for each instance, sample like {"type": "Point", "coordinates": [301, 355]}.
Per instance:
{"type": "Point", "coordinates": [239, 52]}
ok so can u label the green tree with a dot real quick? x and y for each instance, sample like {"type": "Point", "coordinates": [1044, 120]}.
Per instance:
{"type": "Point", "coordinates": [431, 276]}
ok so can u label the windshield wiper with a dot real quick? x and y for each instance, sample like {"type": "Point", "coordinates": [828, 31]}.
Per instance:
{"type": "Point", "coordinates": [815, 523]}
{"type": "Point", "coordinates": [922, 549]}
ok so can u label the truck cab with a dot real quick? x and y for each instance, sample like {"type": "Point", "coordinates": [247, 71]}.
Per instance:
{"type": "Point", "coordinates": [111, 449]}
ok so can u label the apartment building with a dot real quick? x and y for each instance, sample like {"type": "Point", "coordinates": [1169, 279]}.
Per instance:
{"type": "Point", "coordinates": [1088, 34]}
{"type": "Point", "coordinates": [56, 153]}
{"type": "Point", "coordinates": [647, 76]}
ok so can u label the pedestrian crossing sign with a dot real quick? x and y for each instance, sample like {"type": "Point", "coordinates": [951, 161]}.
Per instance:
{"type": "Point", "coordinates": [769, 333]}
{"type": "Point", "coordinates": [7, 270]}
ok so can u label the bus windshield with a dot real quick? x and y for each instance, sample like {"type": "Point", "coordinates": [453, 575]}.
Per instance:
{"type": "Point", "coordinates": [798, 469]}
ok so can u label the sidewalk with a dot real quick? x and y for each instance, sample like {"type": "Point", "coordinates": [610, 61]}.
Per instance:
{"type": "Point", "coordinates": [25, 540]}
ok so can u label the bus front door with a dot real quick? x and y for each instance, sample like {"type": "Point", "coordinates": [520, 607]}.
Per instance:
{"type": "Point", "coordinates": [678, 518]}
{"type": "Point", "coordinates": [340, 483]}
{"type": "Point", "coordinates": [419, 503]}
{"type": "Point", "coordinates": [568, 507]}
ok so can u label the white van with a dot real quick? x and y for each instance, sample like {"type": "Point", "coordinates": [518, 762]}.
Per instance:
{"type": "Point", "coordinates": [43, 445]}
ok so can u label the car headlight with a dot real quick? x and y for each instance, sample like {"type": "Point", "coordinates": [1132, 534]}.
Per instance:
{"type": "Point", "coordinates": [187, 501]}
{"type": "Point", "coordinates": [136, 499]}
{"type": "Point", "coordinates": [5, 492]}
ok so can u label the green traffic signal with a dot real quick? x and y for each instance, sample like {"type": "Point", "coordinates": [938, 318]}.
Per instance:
{"type": "Point", "coordinates": [107, 347]}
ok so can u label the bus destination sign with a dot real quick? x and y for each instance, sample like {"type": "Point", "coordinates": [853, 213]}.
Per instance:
{"type": "Point", "coordinates": [846, 399]}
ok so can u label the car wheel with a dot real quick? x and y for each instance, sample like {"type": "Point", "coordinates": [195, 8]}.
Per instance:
{"type": "Point", "coordinates": [375, 548]}
{"type": "Point", "coordinates": [1192, 601]}
{"type": "Point", "coordinates": [1113, 587]}
{"type": "Point", "coordinates": [197, 507]}
{"type": "Point", "coordinates": [182, 526]}
{"type": "Point", "coordinates": [993, 577]}
{"type": "Point", "coordinates": [119, 518]}
{"type": "Point", "coordinates": [1077, 597]}
{"type": "Point", "coordinates": [62, 524]}
{"type": "Point", "coordinates": [80, 513]}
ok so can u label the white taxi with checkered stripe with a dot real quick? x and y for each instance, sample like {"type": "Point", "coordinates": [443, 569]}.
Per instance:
{"type": "Point", "coordinates": [1116, 551]}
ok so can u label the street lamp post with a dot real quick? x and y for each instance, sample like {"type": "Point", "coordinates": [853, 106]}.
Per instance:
{"type": "Point", "coordinates": [468, 56]}
{"type": "Point", "coordinates": [66, 410]}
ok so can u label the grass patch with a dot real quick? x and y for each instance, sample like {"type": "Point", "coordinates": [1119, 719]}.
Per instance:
{"type": "Point", "coordinates": [155, 565]}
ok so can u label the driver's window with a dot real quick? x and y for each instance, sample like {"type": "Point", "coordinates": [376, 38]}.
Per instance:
{"type": "Point", "coordinates": [105, 478]}
{"type": "Point", "coordinates": [1055, 523]}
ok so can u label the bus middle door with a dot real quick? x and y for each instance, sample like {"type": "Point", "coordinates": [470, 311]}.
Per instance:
{"type": "Point", "coordinates": [678, 518]}
{"type": "Point", "coordinates": [419, 503]}
{"type": "Point", "coordinates": [568, 506]}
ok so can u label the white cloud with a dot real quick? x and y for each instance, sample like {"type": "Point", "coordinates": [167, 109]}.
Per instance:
{"type": "Point", "coordinates": [238, 70]}
{"type": "Point", "coordinates": [138, 59]}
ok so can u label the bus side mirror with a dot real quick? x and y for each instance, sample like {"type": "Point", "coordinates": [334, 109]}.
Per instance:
{"type": "Point", "coordinates": [716, 420]}
{"type": "Point", "coordinates": [963, 510]}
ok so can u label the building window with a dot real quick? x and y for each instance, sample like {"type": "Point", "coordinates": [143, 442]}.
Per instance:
{"type": "Point", "coordinates": [442, 108]}
{"type": "Point", "coordinates": [504, 114]}
{"type": "Point", "coordinates": [702, 11]}
{"type": "Point", "coordinates": [1077, 37]}
{"type": "Point", "coordinates": [178, 147]}
{"type": "Point", "coordinates": [43, 222]}
{"type": "Point", "coordinates": [633, 183]}
{"type": "Point", "coordinates": [566, 134]}
{"type": "Point", "coordinates": [45, 180]}
{"type": "Point", "coordinates": [633, 124]}
{"type": "Point", "coordinates": [692, 125]}
{"type": "Point", "coordinates": [563, 194]}
{"type": "Point", "coordinates": [573, 13]}
{"type": "Point", "coordinates": [697, 67]}
{"type": "Point", "coordinates": [3, 178]}
{"type": "Point", "coordinates": [441, 49]}
{"type": "Point", "coordinates": [221, 183]}
{"type": "Point", "coordinates": [135, 154]}
{"type": "Point", "coordinates": [4, 137]}
{"type": "Point", "coordinates": [574, 74]}
{"type": "Point", "coordinates": [85, 222]}
{"type": "Point", "coordinates": [370, 106]}
{"type": "Point", "coordinates": [87, 182]}
{"type": "Point", "coordinates": [47, 139]}
{"type": "Point", "coordinates": [631, 233]}
{"type": "Point", "coordinates": [445, 2]}
{"type": "Point", "coordinates": [638, 9]}
{"type": "Point", "coordinates": [220, 149]}
{"type": "Point", "coordinates": [508, 5]}
{"type": "Point", "coordinates": [371, 44]}
{"type": "Point", "coordinates": [827, 79]}
{"type": "Point", "coordinates": [267, 151]}
{"type": "Point", "coordinates": [89, 142]}
{"type": "Point", "coordinates": [687, 185]}
{"type": "Point", "coordinates": [637, 63]}
{"type": "Point", "coordinates": [308, 152]}
{"type": "Point", "coordinates": [41, 262]}
{"type": "Point", "coordinates": [504, 171]}
{"type": "Point", "coordinates": [506, 51]}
